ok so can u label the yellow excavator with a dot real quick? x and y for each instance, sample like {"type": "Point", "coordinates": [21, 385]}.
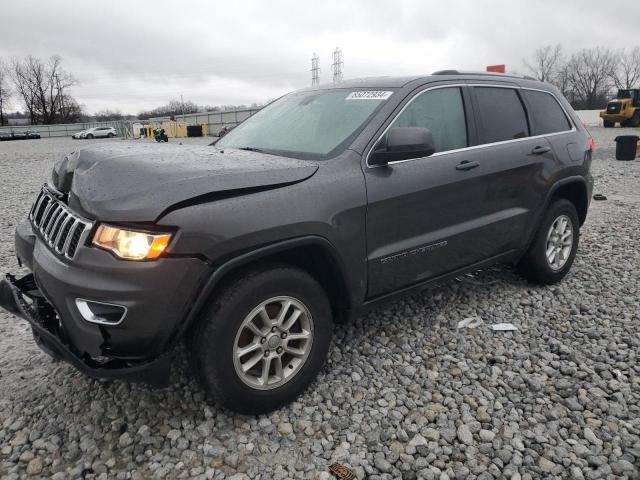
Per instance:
{"type": "Point", "coordinates": [624, 109]}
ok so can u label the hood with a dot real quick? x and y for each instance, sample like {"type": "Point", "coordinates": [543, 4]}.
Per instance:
{"type": "Point", "coordinates": [137, 183]}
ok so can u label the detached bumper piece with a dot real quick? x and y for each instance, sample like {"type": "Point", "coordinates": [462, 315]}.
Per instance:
{"type": "Point", "coordinates": [22, 298]}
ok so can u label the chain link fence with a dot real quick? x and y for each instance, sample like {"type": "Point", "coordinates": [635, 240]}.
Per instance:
{"type": "Point", "coordinates": [215, 121]}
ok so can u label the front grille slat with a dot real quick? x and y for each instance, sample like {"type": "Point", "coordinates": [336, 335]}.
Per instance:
{"type": "Point", "coordinates": [57, 229]}
{"type": "Point", "coordinates": [41, 209]}
{"type": "Point", "coordinates": [36, 204]}
{"type": "Point", "coordinates": [75, 239]}
{"type": "Point", "coordinates": [52, 226]}
{"type": "Point", "coordinates": [47, 216]}
{"type": "Point", "coordinates": [64, 232]}
{"type": "Point", "coordinates": [52, 221]}
{"type": "Point", "coordinates": [60, 228]}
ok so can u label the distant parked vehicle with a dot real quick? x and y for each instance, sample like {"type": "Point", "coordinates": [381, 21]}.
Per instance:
{"type": "Point", "coordinates": [99, 132]}
{"type": "Point", "coordinates": [19, 136]}
{"type": "Point", "coordinates": [32, 135]}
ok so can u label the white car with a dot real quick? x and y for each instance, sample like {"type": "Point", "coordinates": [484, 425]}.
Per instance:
{"type": "Point", "coordinates": [97, 132]}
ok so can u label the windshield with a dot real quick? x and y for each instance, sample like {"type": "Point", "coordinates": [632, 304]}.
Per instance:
{"type": "Point", "coordinates": [624, 93]}
{"type": "Point", "coordinates": [313, 125]}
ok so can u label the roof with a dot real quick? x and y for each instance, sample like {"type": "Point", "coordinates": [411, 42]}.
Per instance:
{"type": "Point", "coordinates": [388, 82]}
{"type": "Point", "coordinates": [399, 82]}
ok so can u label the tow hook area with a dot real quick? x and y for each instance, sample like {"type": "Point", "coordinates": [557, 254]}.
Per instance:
{"type": "Point", "coordinates": [12, 298]}
{"type": "Point", "coordinates": [22, 298]}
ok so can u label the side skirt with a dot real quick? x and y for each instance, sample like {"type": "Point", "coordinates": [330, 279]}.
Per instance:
{"type": "Point", "coordinates": [375, 302]}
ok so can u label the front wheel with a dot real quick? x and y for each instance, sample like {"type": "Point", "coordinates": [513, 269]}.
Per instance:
{"type": "Point", "coordinates": [263, 339]}
{"type": "Point", "coordinates": [90, 136]}
{"type": "Point", "coordinates": [554, 246]}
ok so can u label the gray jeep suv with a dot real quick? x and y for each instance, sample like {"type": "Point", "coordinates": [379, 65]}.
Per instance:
{"type": "Point", "coordinates": [322, 205]}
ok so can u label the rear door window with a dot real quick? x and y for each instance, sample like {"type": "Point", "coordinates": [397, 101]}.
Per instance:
{"type": "Point", "coordinates": [546, 113]}
{"type": "Point", "coordinates": [440, 110]}
{"type": "Point", "coordinates": [502, 115]}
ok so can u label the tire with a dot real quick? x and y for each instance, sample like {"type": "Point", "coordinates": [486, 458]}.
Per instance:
{"type": "Point", "coordinates": [608, 124]}
{"type": "Point", "coordinates": [221, 331]}
{"type": "Point", "coordinates": [534, 265]}
{"type": "Point", "coordinates": [111, 135]}
{"type": "Point", "coordinates": [90, 136]}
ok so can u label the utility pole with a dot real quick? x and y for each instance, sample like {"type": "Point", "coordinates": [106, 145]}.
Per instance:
{"type": "Point", "coordinates": [315, 70]}
{"type": "Point", "coordinates": [337, 65]}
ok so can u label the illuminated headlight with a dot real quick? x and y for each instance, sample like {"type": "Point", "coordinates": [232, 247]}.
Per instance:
{"type": "Point", "coordinates": [131, 244]}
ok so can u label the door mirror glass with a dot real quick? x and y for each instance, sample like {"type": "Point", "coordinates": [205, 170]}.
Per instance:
{"type": "Point", "coordinates": [402, 143]}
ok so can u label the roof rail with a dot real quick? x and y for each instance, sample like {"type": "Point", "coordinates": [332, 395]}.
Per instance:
{"type": "Point", "coordinates": [446, 72]}
{"type": "Point", "coordinates": [489, 74]}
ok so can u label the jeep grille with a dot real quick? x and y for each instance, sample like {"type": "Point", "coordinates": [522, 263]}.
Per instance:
{"type": "Point", "coordinates": [60, 229]}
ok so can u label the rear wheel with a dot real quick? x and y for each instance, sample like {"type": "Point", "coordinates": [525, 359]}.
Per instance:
{"type": "Point", "coordinates": [608, 124]}
{"type": "Point", "coordinates": [110, 135]}
{"type": "Point", "coordinates": [554, 246]}
{"type": "Point", "coordinates": [263, 339]}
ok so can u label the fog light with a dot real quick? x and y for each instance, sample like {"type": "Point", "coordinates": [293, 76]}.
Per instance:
{"type": "Point", "coordinates": [100, 312]}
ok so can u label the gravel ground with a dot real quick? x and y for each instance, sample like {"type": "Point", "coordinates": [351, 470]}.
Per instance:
{"type": "Point", "coordinates": [404, 394]}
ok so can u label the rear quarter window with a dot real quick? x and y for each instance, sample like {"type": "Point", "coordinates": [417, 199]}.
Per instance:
{"type": "Point", "coordinates": [546, 113]}
{"type": "Point", "coordinates": [502, 114]}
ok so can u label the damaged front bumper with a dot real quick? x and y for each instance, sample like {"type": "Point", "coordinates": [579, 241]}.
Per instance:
{"type": "Point", "coordinates": [152, 301]}
{"type": "Point", "coordinates": [22, 298]}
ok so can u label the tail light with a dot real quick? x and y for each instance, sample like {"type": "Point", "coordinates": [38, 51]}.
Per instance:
{"type": "Point", "coordinates": [591, 143]}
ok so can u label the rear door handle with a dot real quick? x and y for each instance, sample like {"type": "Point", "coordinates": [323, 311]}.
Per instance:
{"type": "Point", "coordinates": [540, 150]}
{"type": "Point", "coordinates": [467, 165]}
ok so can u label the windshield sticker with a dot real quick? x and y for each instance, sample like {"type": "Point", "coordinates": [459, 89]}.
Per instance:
{"type": "Point", "coordinates": [369, 95]}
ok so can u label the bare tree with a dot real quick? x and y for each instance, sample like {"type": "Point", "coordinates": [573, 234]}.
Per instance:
{"type": "Point", "coordinates": [108, 115]}
{"type": "Point", "coordinates": [562, 81]}
{"type": "Point", "coordinates": [545, 63]}
{"type": "Point", "coordinates": [5, 91]}
{"type": "Point", "coordinates": [43, 88]}
{"type": "Point", "coordinates": [627, 72]}
{"type": "Point", "coordinates": [589, 73]}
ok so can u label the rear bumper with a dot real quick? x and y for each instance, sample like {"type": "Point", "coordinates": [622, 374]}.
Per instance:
{"type": "Point", "coordinates": [157, 297]}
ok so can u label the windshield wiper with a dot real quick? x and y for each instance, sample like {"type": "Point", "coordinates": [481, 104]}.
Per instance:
{"type": "Point", "coordinates": [252, 149]}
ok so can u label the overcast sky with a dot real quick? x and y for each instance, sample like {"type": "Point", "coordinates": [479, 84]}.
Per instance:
{"type": "Point", "coordinates": [134, 55]}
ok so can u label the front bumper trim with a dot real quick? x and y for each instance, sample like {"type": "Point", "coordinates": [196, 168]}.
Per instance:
{"type": "Point", "coordinates": [13, 298]}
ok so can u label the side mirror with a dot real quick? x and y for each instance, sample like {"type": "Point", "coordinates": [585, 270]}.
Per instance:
{"type": "Point", "coordinates": [402, 143]}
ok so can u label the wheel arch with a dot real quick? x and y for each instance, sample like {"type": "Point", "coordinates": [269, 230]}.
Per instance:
{"type": "Point", "coordinates": [575, 190]}
{"type": "Point", "coordinates": [314, 254]}
{"type": "Point", "coordinates": [572, 188]}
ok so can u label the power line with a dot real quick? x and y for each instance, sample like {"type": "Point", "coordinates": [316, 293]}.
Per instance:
{"type": "Point", "coordinates": [315, 70]}
{"type": "Point", "coordinates": [336, 67]}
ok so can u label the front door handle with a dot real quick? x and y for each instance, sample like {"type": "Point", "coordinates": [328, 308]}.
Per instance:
{"type": "Point", "coordinates": [540, 150]}
{"type": "Point", "coordinates": [467, 165]}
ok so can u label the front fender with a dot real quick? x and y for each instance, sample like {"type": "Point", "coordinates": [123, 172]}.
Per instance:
{"type": "Point", "coordinates": [255, 255]}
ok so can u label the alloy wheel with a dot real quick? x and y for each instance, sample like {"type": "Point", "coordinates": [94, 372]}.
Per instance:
{"type": "Point", "coordinates": [273, 343]}
{"type": "Point", "coordinates": [559, 242]}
